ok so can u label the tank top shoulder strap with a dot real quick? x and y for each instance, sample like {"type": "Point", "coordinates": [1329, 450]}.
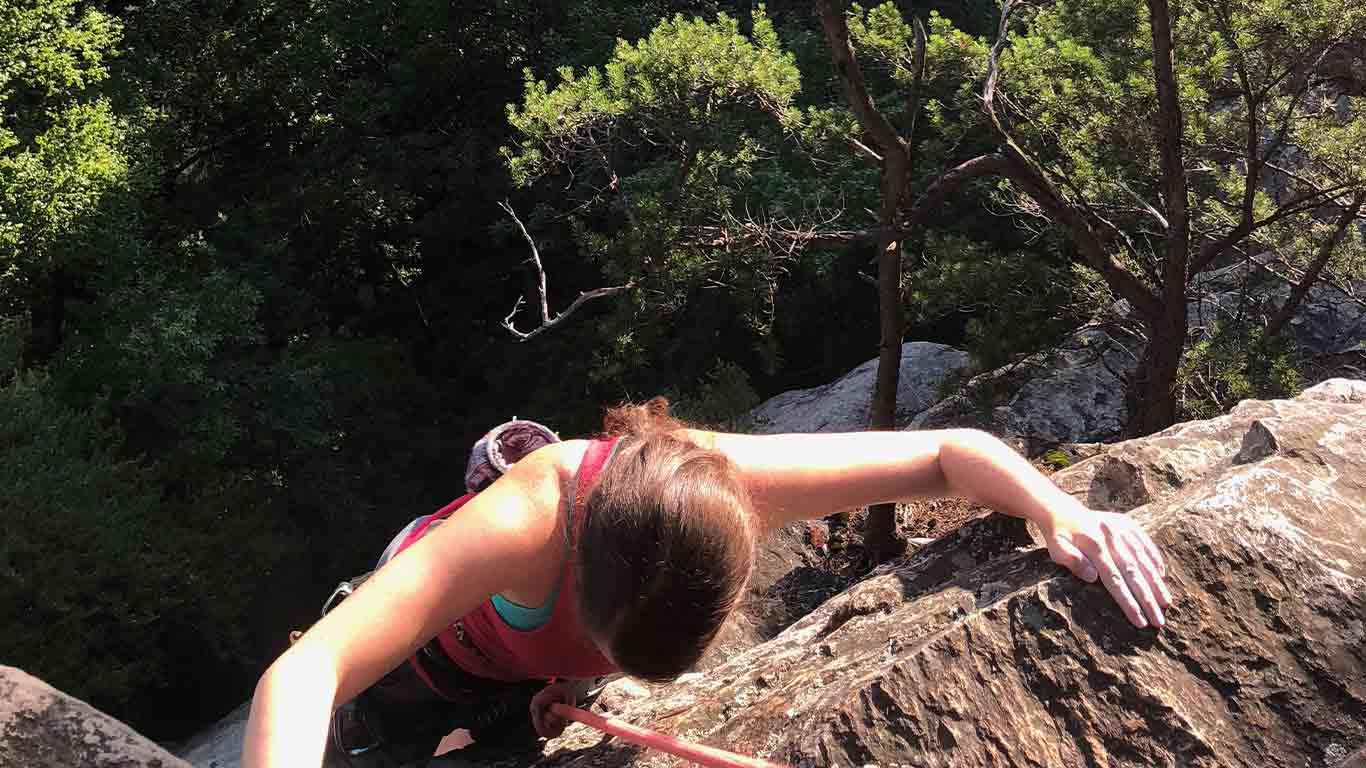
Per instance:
{"type": "Point", "coordinates": [599, 453]}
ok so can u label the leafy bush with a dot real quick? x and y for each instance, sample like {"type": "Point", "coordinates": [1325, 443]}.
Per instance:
{"type": "Point", "coordinates": [720, 400]}
{"type": "Point", "coordinates": [1231, 363]}
{"type": "Point", "coordinates": [1002, 304]}
{"type": "Point", "coordinates": [85, 566]}
{"type": "Point", "coordinates": [1056, 459]}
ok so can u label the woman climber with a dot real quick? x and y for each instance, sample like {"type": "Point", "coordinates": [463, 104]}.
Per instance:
{"type": "Point", "coordinates": [624, 555]}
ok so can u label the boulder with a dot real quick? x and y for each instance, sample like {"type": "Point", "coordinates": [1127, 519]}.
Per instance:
{"type": "Point", "coordinates": [843, 405]}
{"type": "Point", "coordinates": [41, 727]}
{"type": "Point", "coordinates": [220, 745]}
{"type": "Point", "coordinates": [1329, 322]}
{"type": "Point", "coordinates": [1074, 393]}
{"type": "Point", "coordinates": [969, 654]}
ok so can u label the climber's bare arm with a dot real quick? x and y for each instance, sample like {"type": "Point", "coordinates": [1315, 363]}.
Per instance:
{"type": "Point", "coordinates": [483, 550]}
{"type": "Point", "coordinates": [794, 477]}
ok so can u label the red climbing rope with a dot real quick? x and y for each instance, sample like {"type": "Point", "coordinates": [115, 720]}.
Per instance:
{"type": "Point", "coordinates": [711, 757]}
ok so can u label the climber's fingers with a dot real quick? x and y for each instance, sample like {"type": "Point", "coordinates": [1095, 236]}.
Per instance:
{"type": "Point", "coordinates": [1066, 554]}
{"type": "Point", "coordinates": [1118, 587]}
{"type": "Point", "coordinates": [1150, 560]}
{"type": "Point", "coordinates": [1098, 551]}
{"type": "Point", "coordinates": [548, 724]}
{"type": "Point", "coordinates": [1153, 552]}
{"type": "Point", "coordinates": [1142, 582]}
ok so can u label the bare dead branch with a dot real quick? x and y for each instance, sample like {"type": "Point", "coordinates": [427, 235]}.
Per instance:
{"type": "Point", "coordinates": [535, 260]}
{"type": "Point", "coordinates": [1161, 220]}
{"type": "Point", "coordinates": [548, 322]}
{"type": "Point", "coordinates": [864, 149]}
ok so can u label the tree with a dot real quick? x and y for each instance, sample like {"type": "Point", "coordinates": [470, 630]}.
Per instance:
{"type": "Point", "coordinates": [728, 173]}
{"type": "Point", "coordinates": [666, 136]}
{"type": "Point", "coordinates": [900, 210]}
{"type": "Point", "coordinates": [61, 153]}
{"type": "Point", "coordinates": [1226, 94]}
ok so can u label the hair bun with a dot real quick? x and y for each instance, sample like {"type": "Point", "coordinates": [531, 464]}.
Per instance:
{"type": "Point", "coordinates": [640, 418]}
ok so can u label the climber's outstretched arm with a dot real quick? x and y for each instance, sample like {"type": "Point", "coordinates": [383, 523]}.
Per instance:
{"type": "Point", "coordinates": [794, 477]}
{"type": "Point", "coordinates": [403, 605]}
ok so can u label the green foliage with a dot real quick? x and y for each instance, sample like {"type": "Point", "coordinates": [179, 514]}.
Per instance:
{"type": "Point", "coordinates": [667, 149]}
{"type": "Point", "coordinates": [884, 38]}
{"type": "Point", "coordinates": [1003, 302]}
{"type": "Point", "coordinates": [668, 87]}
{"type": "Point", "coordinates": [1233, 362]}
{"type": "Point", "coordinates": [60, 141]}
{"type": "Point", "coordinates": [1078, 77]}
{"type": "Point", "coordinates": [92, 560]}
{"type": "Point", "coordinates": [1056, 459]}
{"type": "Point", "coordinates": [719, 401]}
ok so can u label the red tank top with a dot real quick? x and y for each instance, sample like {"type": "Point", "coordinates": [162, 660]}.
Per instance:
{"type": "Point", "coordinates": [484, 645]}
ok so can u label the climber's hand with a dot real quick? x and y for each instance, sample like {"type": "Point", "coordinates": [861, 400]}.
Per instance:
{"type": "Point", "coordinates": [1114, 548]}
{"type": "Point", "coordinates": [548, 724]}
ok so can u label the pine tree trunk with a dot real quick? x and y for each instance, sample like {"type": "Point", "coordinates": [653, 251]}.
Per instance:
{"type": "Point", "coordinates": [881, 542]}
{"type": "Point", "coordinates": [1152, 390]}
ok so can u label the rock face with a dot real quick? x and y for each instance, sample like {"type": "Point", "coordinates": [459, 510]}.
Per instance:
{"type": "Point", "coordinates": [1074, 393]}
{"type": "Point", "coordinates": [979, 652]}
{"type": "Point", "coordinates": [843, 405]}
{"type": "Point", "coordinates": [221, 745]}
{"type": "Point", "coordinates": [41, 727]}
{"type": "Point", "coordinates": [790, 579]}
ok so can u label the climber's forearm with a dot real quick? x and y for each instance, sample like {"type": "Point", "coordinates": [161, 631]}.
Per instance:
{"type": "Point", "coordinates": [983, 469]}
{"type": "Point", "coordinates": [290, 713]}
{"type": "Point", "coordinates": [799, 476]}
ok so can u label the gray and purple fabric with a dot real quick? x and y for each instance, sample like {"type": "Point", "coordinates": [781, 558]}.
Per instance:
{"type": "Point", "coordinates": [501, 447]}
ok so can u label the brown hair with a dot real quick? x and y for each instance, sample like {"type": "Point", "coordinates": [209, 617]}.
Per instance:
{"type": "Point", "coordinates": [667, 545]}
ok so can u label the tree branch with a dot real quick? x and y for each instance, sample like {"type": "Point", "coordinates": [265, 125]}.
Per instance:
{"type": "Point", "coordinates": [1251, 102]}
{"type": "Point", "coordinates": [548, 322]}
{"type": "Point", "coordinates": [949, 182]}
{"type": "Point", "coordinates": [918, 76]}
{"type": "Point", "coordinates": [1169, 132]}
{"type": "Point", "coordinates": [1031, 178]}
{"type": "Point", "coordinates": [1311, 273]}
{"type": "Point", "coordinates": [1293, 275]}
{"type": "Point", "coordinates": [851, 78]}
{"type": "Point", "coordinates": [1298, 204]}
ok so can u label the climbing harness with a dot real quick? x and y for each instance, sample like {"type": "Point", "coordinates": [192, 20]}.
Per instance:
{"type": "Point", "coordinates": [710, 757]}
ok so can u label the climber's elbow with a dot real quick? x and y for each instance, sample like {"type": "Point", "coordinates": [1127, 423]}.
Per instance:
{"type": "Point", "coordinates": [288, 723]}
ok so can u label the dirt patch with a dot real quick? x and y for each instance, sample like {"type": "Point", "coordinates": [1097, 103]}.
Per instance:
{"type": "Point", "coordinates": [935, 517]}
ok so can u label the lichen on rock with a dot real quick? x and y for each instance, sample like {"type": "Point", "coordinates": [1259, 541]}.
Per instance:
{"type": "Point", "coordinates": [41, 727]}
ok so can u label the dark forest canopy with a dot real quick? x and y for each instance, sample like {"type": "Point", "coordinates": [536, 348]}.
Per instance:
{"type": "Point", "coordinates": [255, 273]}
